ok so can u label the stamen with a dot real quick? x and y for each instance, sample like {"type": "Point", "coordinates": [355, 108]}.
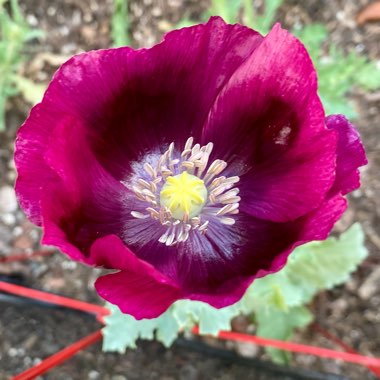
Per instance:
{"type": "Point", "coordinates": [215, 168]}
{"type": "Point", "coordinates": [227, 209]}
{"type": "Point", "coordinates": [189, 144]}
{"type": "Point", "coordinates": [149, 169]}
{"type": "Point", "coordinates": [139, 215]}
{"type": "Point", "coordinates": [183, 191]}
{"type": "Point", "coordinates": [143, 183]}
{"type": "Point", "coordinates": [227, 221]}
{"type": "Point", "coordinates": [154, 214]}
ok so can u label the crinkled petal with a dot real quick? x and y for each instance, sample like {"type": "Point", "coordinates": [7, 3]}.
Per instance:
{"type": "Point", "coordinates": [268, 124]}
{"type": "Point", "coordinates": [84, 202]}
{"type": "Point", "coordinates": [227, 294]}
{"type": "Point", "coordinates": [33, 172]}
{"type": "Point", "coordinates": [287, 187]}
{"type": "Point", "coordinates": [138, 289]}
{"type": "Point", "coordinates": [350, 155]}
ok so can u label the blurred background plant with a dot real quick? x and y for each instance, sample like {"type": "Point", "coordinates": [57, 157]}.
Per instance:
{"type": "Point", "coordinates": [15, 33]}
{"type": "Point", "coordinates": [120, 23]}
{"type": "Point", "coordinates": [337, 72]}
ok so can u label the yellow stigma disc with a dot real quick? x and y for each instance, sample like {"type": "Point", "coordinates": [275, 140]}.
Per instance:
{"type": "Point", "coordinates": [183, 194]}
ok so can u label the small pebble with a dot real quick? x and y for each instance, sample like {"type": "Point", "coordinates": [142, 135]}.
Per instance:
{"type": "Point", "coordinates": [8, 219]}
{"type": "Point", "coordinates": [8, 201]}
{"type": "Point", "coordinates": [93, 375]}
{"type": "Point", "coordinates": [370, 286]}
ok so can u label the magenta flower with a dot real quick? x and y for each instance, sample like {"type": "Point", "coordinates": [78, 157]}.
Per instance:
{"type": "Point", "coordinates": [191, 168]}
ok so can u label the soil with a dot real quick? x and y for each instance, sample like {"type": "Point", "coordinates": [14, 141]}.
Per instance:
{"type": "Point", "coordinates": [30, 333]}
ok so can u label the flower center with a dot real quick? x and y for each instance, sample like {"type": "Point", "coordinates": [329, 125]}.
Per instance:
{"type": "Point", "coordinates": [184, 195]}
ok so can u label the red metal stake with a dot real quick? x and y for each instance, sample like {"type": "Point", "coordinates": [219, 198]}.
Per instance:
{"type": "Point", "coordinates": [59, 357]}
{"type": "Point", "coordinates": [52, 298]}
{"type": "Point", "coordinates": [366, 361]}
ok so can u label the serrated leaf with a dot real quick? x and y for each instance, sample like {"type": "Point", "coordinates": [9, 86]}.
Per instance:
{"type": "Point", "coordinates": [122, 330]}
{"type": "Point", "coordinates": [277, 324]}
{"type": "Point", "coordinates": [210, 320]}
{"type": "Point", "coordinates": [322, 265]}
{"type": "Point", "coordinates": [167, 329]}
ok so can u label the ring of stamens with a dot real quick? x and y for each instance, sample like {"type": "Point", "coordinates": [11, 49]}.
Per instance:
{"type": "Point", "coordinates": [193, 210]}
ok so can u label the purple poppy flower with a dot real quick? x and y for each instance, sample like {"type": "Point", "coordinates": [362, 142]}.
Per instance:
{"type": "Point", "coordinates": [191, 168]}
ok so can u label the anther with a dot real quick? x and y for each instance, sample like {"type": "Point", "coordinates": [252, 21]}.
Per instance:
{"type": "Point", "coordinates": [139, 215]}
{"type": "Point", "coordinates": [183, 190]}
{"type": "Point", "coordinates": [149, 169]}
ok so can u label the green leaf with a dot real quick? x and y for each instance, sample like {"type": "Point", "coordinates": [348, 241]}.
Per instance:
{"type": "Point", "coordinates": [210, 320]}
{"type": "Point", "coordinates": [167, 329]}
{"type": "Point", "coordinates": [311, 267]}
{"type": "Point", "coordinates": [277, 324]}
{"type": "Point", "coordinates": [120, 23]}
{"type": "Point", "coordinates": [14, 34]}
{"type": "Point", "coordinates": [122, 330]}
{"type": "Point", "coordinates": [323, 265]}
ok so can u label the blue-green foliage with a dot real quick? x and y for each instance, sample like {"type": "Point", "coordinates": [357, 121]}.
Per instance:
{"type": "Point", "coordinates": [14, 34]}
{"type": "Point", "coordinates": [120, 23]}
{"type": "Point", "coordinates": [277, 302]}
